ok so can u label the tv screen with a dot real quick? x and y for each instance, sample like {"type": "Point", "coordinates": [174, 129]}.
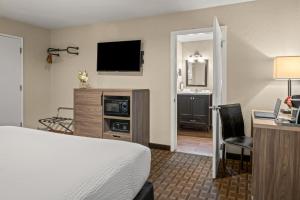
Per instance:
{"type": "Point", "coordinates": [119, 56]}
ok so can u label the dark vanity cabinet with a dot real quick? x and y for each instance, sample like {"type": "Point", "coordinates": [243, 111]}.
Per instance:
{"type": "Point", "coordinates": [193, 111]}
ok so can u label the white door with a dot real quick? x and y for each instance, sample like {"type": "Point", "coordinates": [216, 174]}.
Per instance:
{"type": "Point", "coordinates": [217, 94]}
{"type": "Point", "coordinates": [10, 81]}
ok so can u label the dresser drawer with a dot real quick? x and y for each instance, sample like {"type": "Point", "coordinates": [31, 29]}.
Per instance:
{"type": "Point", "coordinates": [112, 136]}
{"type": "Point", "coordinates": [88, 113]}
{"type": "Point", "coordinates": [194, 120]}
{"type": "Point", "coordinates": [201, 119]}
{"type": "Point", "coordinates": [189, 125]}
{"type": "Point", "coordinates": [87, 97]}
{"type": "Point", "coordinates": [88, 129]}
{"type": "Point", "coordinates": [185, 118]}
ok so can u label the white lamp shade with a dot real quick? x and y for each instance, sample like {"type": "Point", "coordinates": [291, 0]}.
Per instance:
{"type": "Point", "coordinates": [287, 67]}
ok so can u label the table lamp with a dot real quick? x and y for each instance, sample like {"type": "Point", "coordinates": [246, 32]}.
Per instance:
{"type": "Point", "coordinates": [287, 68]}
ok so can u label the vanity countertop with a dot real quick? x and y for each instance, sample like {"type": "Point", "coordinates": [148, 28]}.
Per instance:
{"type": "Point", "coordinates": [194, 93]}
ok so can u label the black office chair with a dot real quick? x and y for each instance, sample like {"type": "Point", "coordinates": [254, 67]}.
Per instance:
{"type": "Point", "coordinates": [296, 101]}
{"type": "Point", "coordinates": [233, 131]}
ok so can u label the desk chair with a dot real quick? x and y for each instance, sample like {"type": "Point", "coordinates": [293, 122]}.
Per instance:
{"type": "Point", "coordinates": [233, 131]}
{"type": "Point", "coordinates": [296, 101]}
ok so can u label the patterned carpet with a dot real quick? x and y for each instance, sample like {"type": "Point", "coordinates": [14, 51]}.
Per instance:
{"type": "Point", "coordinates": [181, 176]}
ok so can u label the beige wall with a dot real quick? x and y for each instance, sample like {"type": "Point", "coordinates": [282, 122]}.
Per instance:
{"type": "Point", "coordinates": [36, 75]}
{"type": "Point", "coordinates": [257, 31]}
{"type": "Point", "coordinates": [205, 48]}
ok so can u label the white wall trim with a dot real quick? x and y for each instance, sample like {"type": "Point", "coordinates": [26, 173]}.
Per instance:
{"type": "Point", "coordinates": [173, 57]}
{"type": "Point", "coordinates": [22, 72]}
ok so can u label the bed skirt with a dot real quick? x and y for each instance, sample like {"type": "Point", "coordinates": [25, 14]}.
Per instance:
{"type": "Point", "coordinates": [146, 193]}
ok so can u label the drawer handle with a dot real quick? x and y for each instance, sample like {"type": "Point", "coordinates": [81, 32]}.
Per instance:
{"type": "Point", "coordinates": [192, 120]}
{"type": "Point", "coordinates": [116, 136]}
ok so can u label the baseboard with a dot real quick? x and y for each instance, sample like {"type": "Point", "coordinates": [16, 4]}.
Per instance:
{"type": "Point", "coordinates": [160, 146]}
{"type": "Point", "coordinates": [234, 156]}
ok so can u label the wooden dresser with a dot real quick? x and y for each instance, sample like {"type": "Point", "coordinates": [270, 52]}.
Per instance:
{"type": "Point", "coordinates": [276, 160]}
{"type": "Point", "coordinates": [91, 121]}
{"type": "Point", "coordinates": [88, 120]}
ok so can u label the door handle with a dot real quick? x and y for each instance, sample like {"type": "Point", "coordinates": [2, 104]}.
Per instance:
{"type": "Point", "coordinates": [214, 108]}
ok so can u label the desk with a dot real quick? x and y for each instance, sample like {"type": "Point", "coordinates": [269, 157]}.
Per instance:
{"type": "Point", "coordinates": [276, 160]}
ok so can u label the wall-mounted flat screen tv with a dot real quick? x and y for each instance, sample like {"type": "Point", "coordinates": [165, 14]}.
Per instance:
{"type": "Point", "coordinates": [123, 56]}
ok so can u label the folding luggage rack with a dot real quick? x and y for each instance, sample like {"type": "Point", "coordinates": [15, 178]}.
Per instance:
{"type": "Point", "coordinates": [58, 124]}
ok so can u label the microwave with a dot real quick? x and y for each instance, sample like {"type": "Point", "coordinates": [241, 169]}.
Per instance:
{"type": "Point", "coordinates": [117, 106]}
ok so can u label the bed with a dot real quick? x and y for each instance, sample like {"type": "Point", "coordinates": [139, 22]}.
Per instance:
{"type": "Point", "coordinates": [37, 165]}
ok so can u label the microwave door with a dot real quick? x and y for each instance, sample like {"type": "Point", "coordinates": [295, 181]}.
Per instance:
{"type": "Point", "coordinates": [112, 108]}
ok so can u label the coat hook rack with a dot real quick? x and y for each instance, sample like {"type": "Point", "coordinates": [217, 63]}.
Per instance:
{"type": "Point", "coordinates": [55, 52]}
{"type": "Point", "coordinates": [69, 50]}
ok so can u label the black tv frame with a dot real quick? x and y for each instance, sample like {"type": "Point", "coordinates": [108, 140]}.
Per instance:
{"type": "Point", "coordinates": [124, 71]}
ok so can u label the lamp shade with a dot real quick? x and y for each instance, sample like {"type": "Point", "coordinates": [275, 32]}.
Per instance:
{"type": "Point", "coordinates": [287, 67]}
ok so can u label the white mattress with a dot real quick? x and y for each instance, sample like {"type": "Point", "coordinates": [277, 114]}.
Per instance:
{"type": "Point", "coordinates": [37, 165]}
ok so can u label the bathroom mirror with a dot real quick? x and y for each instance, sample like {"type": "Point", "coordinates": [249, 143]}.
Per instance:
{"type": "Point", "coordinates": [196, 73]}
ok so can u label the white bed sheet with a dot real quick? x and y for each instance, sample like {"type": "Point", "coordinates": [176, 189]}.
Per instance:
{"type": "Point", "coordinates": [37, 165]}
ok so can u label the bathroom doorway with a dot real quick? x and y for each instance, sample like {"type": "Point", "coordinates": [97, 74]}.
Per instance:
{"type": "Point", "coordinates": [194, 93]}
{"type": "Point", "coordinates": [218, 36]}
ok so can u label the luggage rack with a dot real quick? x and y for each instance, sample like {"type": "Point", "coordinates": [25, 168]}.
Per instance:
{"type": "Point", "coordinates": [58, 124]}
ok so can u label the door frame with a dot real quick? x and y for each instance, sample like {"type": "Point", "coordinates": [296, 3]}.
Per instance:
{"type": "Point", "coordinates": [22, 73]}
{"type": "Point", "coordinates": [173, 71]}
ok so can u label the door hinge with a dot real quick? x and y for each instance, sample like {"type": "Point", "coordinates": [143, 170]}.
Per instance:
{"type": "Point", "coordinates": [21, 50]}
{"type": "Point", "coordinates": [21, 87]}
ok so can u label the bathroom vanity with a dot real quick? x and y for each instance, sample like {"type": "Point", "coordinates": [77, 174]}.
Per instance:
{"type": "Point", "coordinates": [193, 111]}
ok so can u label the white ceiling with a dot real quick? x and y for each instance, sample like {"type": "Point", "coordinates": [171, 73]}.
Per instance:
{"type": "Point", "coordinates": [63, 13]}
